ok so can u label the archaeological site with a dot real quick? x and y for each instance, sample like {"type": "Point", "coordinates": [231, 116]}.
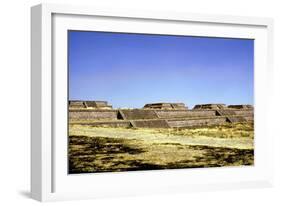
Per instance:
{"type": "Point", "coordinates": [158, 115]}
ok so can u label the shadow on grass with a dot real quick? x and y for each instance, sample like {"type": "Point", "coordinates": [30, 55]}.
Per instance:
{"type": "Point", "coordinates": [100, 154]}
{"type": "Point", "coordinates": [216, 157]}
{"type": "Point", "coordinates": [89, 154]}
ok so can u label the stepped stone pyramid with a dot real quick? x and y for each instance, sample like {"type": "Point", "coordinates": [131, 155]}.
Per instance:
{"type": "Point", "coordinates": [158, 115]}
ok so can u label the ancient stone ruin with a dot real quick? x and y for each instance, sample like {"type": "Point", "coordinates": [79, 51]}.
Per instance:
{"type": "Point", "coordinates": [171, 106]}
{"type": "Point", "coordinates": [158, 115]}
{"type": "Point", "coordinates": [240, 106]}
{"type": "Point", "coordinates": [89, 105]}
{"type": "Point", "coordinates": [210, 106]}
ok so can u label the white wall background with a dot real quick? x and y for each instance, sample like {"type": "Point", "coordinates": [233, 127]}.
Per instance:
{"type": "Point", "coordinates": [15, 100]}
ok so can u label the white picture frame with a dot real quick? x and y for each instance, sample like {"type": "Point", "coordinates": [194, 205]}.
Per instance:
{"type": "Point", "coordinates": [49, 178]}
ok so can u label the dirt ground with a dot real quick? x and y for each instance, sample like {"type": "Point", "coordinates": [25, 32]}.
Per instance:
{"type": "Point", "coordinates": [100, 149]}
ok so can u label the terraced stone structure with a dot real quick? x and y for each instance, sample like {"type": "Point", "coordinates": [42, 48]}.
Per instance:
{"type": "Point", "coordinates": [240, 106]}
{"type": "Point", "coordinates": [210, 106]}
{"type": "Point", "coordinates": [77, 104]}
{"type": "Point", "coordinates": [158, 115]}
{"type": "Point", "coordinates": [167, 106]}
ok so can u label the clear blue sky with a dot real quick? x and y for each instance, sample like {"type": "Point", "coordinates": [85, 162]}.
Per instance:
{"type": "Point", "coordinates": [130, 70]}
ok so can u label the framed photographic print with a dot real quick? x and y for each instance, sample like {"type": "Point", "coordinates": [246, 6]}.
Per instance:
{"type": "Point", "coordinates": [137, 102]}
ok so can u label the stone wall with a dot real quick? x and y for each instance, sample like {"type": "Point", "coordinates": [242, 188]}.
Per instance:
{"type": "Point", "coordinates": [249, 118]}
{"type": "Point", "coordinates": [163, 114]}
{"type": "Point", "coordinates": [197, 122]}
{"type": "Point", "coordinates": [234, 119]}
{"type": "Point", "coordinates": [150, 123]}
{"type": "Point", "coordinates": [223, 112]}
{"type": "Point", "coordinates": [118, 123]}
{"type": "Point", "coordinates": [244, 112]}
{"type": "Point", "coordinates": [92, 114]}
{"type": "Point", "coordinates": [134, 114]}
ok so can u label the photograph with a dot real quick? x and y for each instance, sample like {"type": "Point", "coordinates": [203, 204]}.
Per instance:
{"type": "Point", "coordinates": [142, 102]}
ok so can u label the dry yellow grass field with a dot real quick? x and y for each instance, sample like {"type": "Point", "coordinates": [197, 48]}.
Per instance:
{"type": "Point", "coordinates": [106, 149]}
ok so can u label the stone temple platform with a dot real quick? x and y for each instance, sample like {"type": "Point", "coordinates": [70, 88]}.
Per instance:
{"type": "Point", "coordinates": [158, 115]}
